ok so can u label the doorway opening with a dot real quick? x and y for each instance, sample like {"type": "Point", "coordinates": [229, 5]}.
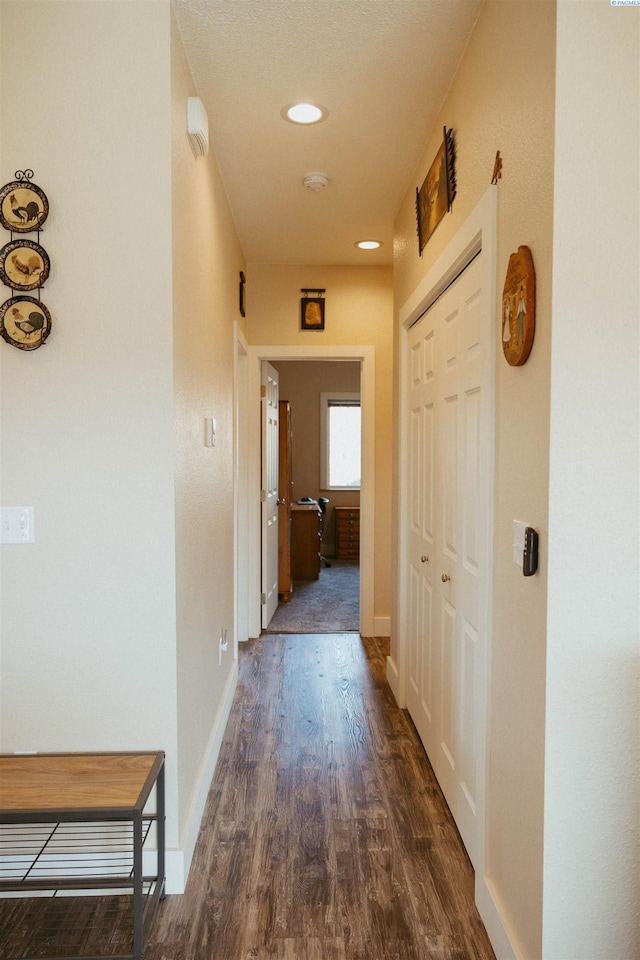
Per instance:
{"type": "Point", "coordinates": [362, 358]}
{"type": "Point", "coordinates": [319, 496]}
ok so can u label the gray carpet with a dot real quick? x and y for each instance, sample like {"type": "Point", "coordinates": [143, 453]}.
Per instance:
{"type": "Point", "coordinates": [328, 605]}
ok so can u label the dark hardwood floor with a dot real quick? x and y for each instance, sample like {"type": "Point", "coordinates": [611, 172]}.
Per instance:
{"type": "Point", "coordinates": [325, 835]}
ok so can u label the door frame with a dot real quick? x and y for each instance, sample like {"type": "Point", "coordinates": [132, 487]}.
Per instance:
{"type": "Point", "coordinates": [478, 232]}
{"type": "Point", "coordinates": [241, 550]}
{"type": "Point", "coordinates": [270, 514]}
{"type": "Point", "coordinates": [366, 356]}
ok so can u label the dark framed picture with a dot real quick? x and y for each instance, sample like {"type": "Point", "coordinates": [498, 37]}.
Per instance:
{"type": "Point", "coordinates": [435, 196]}
{"type": "Point", "coordinates": [312, 313]}
{"type": "Point", "coordinates": [241, 294]}
{"type": "Point", "coordinates": [25, 322]}
{"type": "Point", "coordinates": [24, 265]}
{"type": "Point", "coordinates": [23, 206]}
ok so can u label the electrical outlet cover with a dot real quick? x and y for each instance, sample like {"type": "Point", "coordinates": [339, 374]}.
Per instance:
{"type": "Point", "coordinates": [16, 525]}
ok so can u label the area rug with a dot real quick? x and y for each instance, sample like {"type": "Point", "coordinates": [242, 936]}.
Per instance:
{"type": "Point", "coordinates": [328, 605]}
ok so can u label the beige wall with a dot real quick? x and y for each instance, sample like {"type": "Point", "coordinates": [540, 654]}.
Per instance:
{"type": "Point", "coordinates": [359, 312]}
{"type": "Point", "coordinates": [502, 98]}
{"type": "Point", "coordinates": [592, 761]}
{"type": "Point", "coordinates": [206, 265]}
{"type": "Point", "coordinates": [88, 610]}
{"type": "Point", "coordinates": [110, 621]}
{"type": "Point", "coordinates": [301, 383]}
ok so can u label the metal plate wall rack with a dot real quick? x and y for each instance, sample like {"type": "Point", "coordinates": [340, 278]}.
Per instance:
{"type": "Point", "coordinates": [25, 322]}
{"type": "Point", "coordinates": [82, 854]}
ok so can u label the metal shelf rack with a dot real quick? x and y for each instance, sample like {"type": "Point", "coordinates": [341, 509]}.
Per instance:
{"type": "Point", "coordinates": [82, 854]}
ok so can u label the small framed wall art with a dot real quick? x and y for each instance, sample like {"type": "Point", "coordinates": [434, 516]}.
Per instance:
{"type": "Point", "coordinates": [437, 193]}
{"type": "Point", "coordinates": [519, 308]}
{"type": "Point", "coordinates": [241, 307]}
{"type": "Point", "coordinates": [312, 310]}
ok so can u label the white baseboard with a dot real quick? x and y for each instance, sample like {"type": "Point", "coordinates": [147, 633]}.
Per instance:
{"type": "Point", "coordinates": [502, 939]}
{"type": "Point", "coordinates": [382, 626]}
{"type": "Point", "coordinates": [176, 876]}
{"type": "Point", "coordinates": [393, 679]}
{"type": "Point", "coordinates": [178, 862]}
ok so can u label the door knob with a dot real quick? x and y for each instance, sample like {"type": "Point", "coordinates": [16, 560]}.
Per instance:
{"type": "Point", "coordinates": [424, 558]}
{"type": "Point", "coordinates": [282, 502]}
{"type": "Point", "coordinates": [445, 577]}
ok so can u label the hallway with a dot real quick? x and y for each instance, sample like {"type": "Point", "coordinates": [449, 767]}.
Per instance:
{"type": "Point", "coordinates": [325, 835]}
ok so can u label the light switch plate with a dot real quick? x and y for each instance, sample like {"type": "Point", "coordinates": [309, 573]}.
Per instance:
{"type": "Point", "coordinates": [210, 431]}
{"type": "Point", "coordinates": [16, 525]}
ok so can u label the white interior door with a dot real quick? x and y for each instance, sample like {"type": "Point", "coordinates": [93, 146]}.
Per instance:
{"type": "Point", "coordinates": [447, 513]}
{"type": "Point", "coordinates": [269, 491]}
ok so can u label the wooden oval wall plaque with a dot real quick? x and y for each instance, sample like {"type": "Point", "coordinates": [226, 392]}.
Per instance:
{"type": "Point", "coordinates": [519, 308]}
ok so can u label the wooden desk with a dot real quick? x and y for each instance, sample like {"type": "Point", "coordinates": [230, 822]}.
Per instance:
{"type": "Point", "coordinates": [79, 822]}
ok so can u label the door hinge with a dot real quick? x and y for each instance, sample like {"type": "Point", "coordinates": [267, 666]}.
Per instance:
{"type": "Point", "coordinates": [263, 598]}
{"type": "Point", "coordinates": [263, 391]}
{"type": "Point", "coordinates": [263, 496]}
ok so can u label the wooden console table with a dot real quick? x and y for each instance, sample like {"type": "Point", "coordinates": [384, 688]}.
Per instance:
{"type": "Point", "coordinates": [79, 823]}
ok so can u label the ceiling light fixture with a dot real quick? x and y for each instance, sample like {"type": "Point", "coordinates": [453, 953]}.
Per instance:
{"type": "Point", "coordinates": [197, 126]}
{"type": "Point", "coordinates": [316, 181]}
{"type": "Point", "coordinates": [368, 244]}
{"type": "Point", "coordinates": [304, 113]}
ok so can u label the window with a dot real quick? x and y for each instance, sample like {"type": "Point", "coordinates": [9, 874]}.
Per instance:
{"type": "Point", "coordinates": [340, 429]}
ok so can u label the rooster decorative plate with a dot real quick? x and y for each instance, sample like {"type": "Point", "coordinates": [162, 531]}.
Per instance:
{"type": "Point", "coordinates": [25, 322]}
{"type": "Point", "coordinates": [24, 265]}
{"type": "Point", "coordinates": [23, 205]}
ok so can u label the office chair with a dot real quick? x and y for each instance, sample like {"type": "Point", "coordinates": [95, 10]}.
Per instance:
{"type": "Point", "coordinates": [322, 503]}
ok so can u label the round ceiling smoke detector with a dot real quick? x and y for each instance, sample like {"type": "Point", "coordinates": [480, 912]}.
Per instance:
{"type": "Point", "coordinates": [316, 181]}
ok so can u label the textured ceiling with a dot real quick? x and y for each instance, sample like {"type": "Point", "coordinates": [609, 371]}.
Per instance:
{"type": "Point", "coordinates": [381, 68]}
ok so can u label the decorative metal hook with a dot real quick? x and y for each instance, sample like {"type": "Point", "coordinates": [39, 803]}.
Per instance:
{"type": "Point", "coordinates": [25, 175]}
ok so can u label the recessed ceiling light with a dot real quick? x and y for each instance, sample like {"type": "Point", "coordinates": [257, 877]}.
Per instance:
{"type": "Point", "coordinates": [368, 244]}
{"type": "Point", "coordinates": [305, 113]}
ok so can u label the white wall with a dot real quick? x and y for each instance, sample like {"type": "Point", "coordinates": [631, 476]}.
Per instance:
{"type": "Point", "coordinates": [111, 620]}
{"type": "Point", "coordinates": [88, 611]}
{"type": "Point", "coordinates": [206, 263]}
{"type": "Point", "coordinates": [591, 882]}
{"type": "Point", "coordinates": [2, 167]}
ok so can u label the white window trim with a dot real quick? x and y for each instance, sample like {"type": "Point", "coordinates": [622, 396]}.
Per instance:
{"type": "Point", "coordinates": [325, 398]}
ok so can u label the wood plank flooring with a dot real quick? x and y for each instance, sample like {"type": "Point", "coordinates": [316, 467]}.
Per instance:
{"type": "Point", "coordinates": [325, 835]}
